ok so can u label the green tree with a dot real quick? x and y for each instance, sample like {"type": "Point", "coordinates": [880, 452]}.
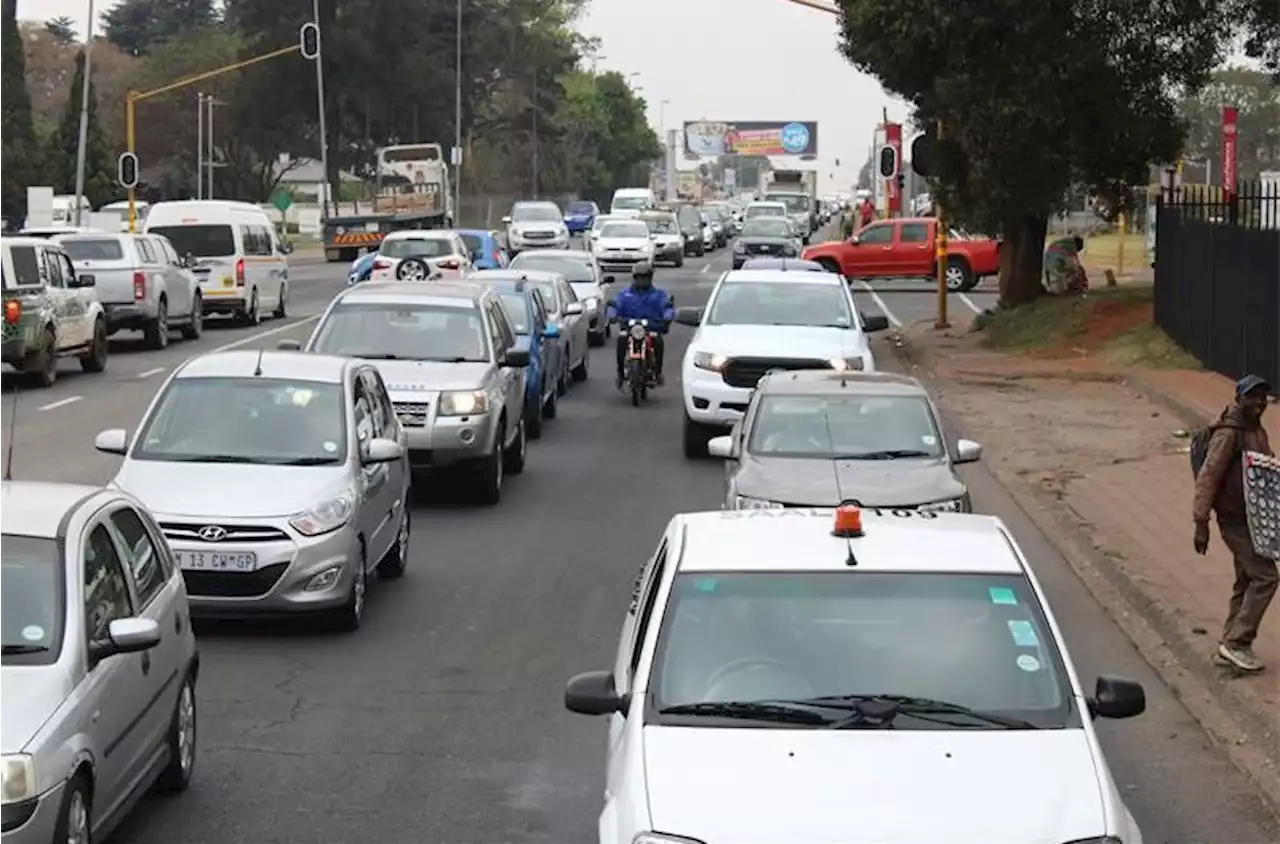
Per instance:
{"type": "Point", "coordinates": [20, 154]}
{"type": "Point", "coordinates": [60, 156]}
{"type": "Point", "coordinates": [1258, 100]}
{"type": "Point", "coordinates": [1260, 21]}
{"type": "Point", "coordinates": [1078, 91]}
{"type": "Point", "coordinates": [63, 29]}
{"type": "Point", "coordinates": [137, 26]}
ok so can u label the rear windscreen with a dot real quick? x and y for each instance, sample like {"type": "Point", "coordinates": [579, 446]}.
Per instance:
{"type": "Point", "coordinates": [474, 242]}
{"type": "Point", "coordinates": [98, 249]}
{"type": "Point", "coordinates": [26, 267]}
{"type": "Point", "coordinates": [200, 241]}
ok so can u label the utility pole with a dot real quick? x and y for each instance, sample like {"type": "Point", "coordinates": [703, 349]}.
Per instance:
{"type": "Point", "coordinates": [535, 133]}
{"type": "Point", "coordinates": [211, 102]}
{"type": "Point", "coordinates": [940, 242]}
{"type": "Point", "coordinates": [309, 46]}
{"type": "Point", "coordinates": [81, 151]}
{"type": "Point", "coordinates": [200, 145]}
{"type": "Point", "coordinates": [457, 122]}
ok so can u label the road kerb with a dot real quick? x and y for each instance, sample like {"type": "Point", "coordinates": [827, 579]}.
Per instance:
{"type": "Point", "coordinates": [1230, 722]}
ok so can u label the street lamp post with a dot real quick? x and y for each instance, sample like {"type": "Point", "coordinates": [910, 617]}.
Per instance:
{"type": "Point", "coordinates": [457, 121]}
{"type": "Point", "coordinates": [83, 140]}
{"type": "Point", "coordinates": [324, 135]}
{"type": "Point", "coordinates": [200, 145]}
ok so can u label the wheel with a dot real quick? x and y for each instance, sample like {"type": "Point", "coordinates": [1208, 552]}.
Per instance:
{"type": "Point", "coordinates": [393, 563]}
{"type": "Point", "coordinates": [680, 260]}
{"type": "Point", "coordinates": [193, 329]}
{"type": "Point", "coordinates": [580, 372]}
{"type": "Point", "coordinates": [182, 740]}
{"type": "Point", "coordinates": [157, 331]}
{"type": "Point", "coordinates": [282, 309]}
{"type": "Point", "coordinates": [488, 479]}
{"type": "Point", "coordinates": [695, 439]}
{"type": "Point", "coordinates": [73, 824]}
{"type": "Point", "coordinates": [702, 250]}
{"type": "Point", "coordinates": [250, 315]}
{"type": "Point", "coordinates": [348, 617]}
{"type": "Point", "coordinates": [636, 394]}
{"type": "Point", "coordinates": [43, 362]}
{"type": "Point", "coordinates": [595, 341]}
{"type": "Point", "coordinates": [533, 419]}
{"type": "Point", "coordinates": [562, 382]}
{"type": "Point", "coordinates": [95, 360]}
{"type": "Point", "coordinates": [959, 275]}
{"type": "Point", "coordinates": [551, 406]}
{"type": "Point", "coordinates": [513, 457]}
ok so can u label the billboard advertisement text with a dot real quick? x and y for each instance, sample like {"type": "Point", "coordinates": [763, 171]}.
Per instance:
{"type": "Point", "coordinates": [750, 137]}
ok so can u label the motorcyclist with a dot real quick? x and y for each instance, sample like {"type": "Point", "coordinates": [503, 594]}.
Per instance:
{"type": "Point", "coordinates": [642, 301]}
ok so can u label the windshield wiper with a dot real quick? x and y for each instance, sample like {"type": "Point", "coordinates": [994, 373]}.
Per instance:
{"type": "Point", "coordinates": [781, 712]}
{"type": "Point", "coordinates": [16, 650]}
{"type": "Point", "coordinates": [888, 454]}
{"type": "Point", "coordinates": [208, 458]}
{"type": "Point", "coordinates": [374, 356]}
{"type": "Point", "coordinates": [882, 710]}
{"type": "Point", "coordinates": [306, 461]}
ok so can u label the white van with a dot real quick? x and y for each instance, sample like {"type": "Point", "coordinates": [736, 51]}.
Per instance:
{"type": "Point", "coordinates": [629, 202]}
{"type": "Point", "coordinates": [64, 209]}
{"type": "Point", "coordinates": [121, 210]}
{"type": "Point", "coordinates": [235, 253]}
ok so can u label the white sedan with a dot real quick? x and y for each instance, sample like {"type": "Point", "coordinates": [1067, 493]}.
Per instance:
{"type": "Point", "coordinates": [421, 254]}
{"type": "Point", "coordinates": [621, 244]}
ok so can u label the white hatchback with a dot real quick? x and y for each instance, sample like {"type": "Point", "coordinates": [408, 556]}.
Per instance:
{"type": "Point", "coordinates": [421, 254]}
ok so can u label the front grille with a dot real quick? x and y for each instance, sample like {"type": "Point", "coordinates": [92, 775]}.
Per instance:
{"type": "Point", "coordinates": [764, 249]}
{"type": "Point", "coordinates": [411, 414]}
{"type": "Point", "coordinates": [539, 235]}
{"type": "Point", "coordinates": [190, 532]}
{"type": "Point", "coordinates": [746, 372]}
{"type": "Point", "coordinates": [222, 584]}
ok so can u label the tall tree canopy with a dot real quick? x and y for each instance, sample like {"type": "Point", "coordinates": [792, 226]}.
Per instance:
{"type": "Point", "coordinates": [21, 156]}
{"type": "Point", "coordinates": [60, 155]}
{"type": "Point", "coordinates": [137, 26]}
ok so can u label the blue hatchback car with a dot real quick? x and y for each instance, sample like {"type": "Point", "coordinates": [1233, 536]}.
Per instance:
{"type": "Point", "coordinates": [487, 250]}
{"type": "Point", "coordinates": [525, 308]}
{"type": "Point", "coordinates": [580, 216]}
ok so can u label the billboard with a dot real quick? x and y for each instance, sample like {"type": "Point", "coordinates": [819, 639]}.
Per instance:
{"type": "Point", "coordinates": [750, 137]}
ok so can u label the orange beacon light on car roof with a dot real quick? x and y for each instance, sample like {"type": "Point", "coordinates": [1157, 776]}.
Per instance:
{"type": "Point", "coordinates": [848, 522]}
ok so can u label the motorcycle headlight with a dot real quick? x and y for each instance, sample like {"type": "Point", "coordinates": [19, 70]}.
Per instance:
{"type": "Point", "coordinates": [463, 403]}
{"type": "Point", "coordinates": [709, 361]}
{"type": "Point", "coordinates": [638, 331]}
{"type": "Point", "coordinates": [951, 505]}
{"type": "Point", "coordinates": [743, 502]}
{"type": "Point", "coordinates": [18, 780]}
{"type": "Point", "coordinates": [324, 517]}
{"type": "Point", "coordinates": [846, 364]}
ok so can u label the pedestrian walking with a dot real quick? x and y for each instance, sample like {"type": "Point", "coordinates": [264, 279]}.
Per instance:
{"type": "Point", "coordinates": [1220, 487]}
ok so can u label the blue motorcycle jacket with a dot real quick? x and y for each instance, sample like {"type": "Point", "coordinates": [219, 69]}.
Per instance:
{"type": "Point", "coordinates": [654, 304]}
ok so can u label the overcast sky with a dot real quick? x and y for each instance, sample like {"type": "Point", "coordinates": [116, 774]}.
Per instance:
{"type": "Point", "coordinates": [723, 60]}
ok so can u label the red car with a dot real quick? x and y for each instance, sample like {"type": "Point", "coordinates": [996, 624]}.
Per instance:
{"type": "Point", "coordinates": [904, 248]}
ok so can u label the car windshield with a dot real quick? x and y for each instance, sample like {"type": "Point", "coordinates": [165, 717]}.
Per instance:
{"type": "Point", "coordinates": [974, 640]}
{"type": "Point", "coordinates": [579, 207]}
{"type": "Point", "coordinates": [201, 241]}
{"type": "Point", "coordinates": [417, 247]}
{"type": "Point", "coordinates": [403, 331]}
{"type": "Point", "coordinates": [847, 427]}
{"type": "Point", "coordinates": [632, 230]}
{"type": "Point", "coordinates": [662, 225]}
{"type": "Point", "coordinates": [795, 202]}
{"type": "Point", "coordinates": [474, 242]}
{"type": "Point", "coordinates": [586, 289]}
{"type": "Point", "coordinates": [574, 269]}
{"type": "Point", "coordinates": [33, 598]}
{"type": "Point", "coordinates": [601, 222]}
{"type": "Point", "coordinates": [766, 227]}
{"type": "Point", "coordinates": [781, 303]}
{"type": "Point", "coordinates": [690, 217]}
{"type": "Point", "coordinates": [272, 421]}
{"type": "Point", "coordinates": [765, 211]}
{"type": "Point", "coordinates": [536, 214]}
{"type": "Point", "coordinates": [93, 249]}
{"type": "Point", "coordinates": [629, 203]}
{"type": "Point", "coordinates": [517, 308]}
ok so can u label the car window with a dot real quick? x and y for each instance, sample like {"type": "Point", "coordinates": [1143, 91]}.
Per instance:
{"type": "Point", "coordinates": [362, 411]}
{"type": "Point", "coordinates": [781, 303]}
{"type": "Point", "coordinates": [645, 603]}
{"type": "Point", "coordinates": [53, 268]}
{"type": "Point", "coordinates": [474, 242]}
{"type": "Point", "coordinates": [766, 227]}
{"type": "Point", "coordinates": [145, 252]}
{"type": "Point", "coordinates": [492, 323]}
{"type": "Point", "coordinates": [93, 249]}
{"type": "Point", "coordinates": [661, 225]}
{"type": "Point", "coordinates": [202, 241]}
{"type": "Point", "coordinates": [567, 295]}
{"type": "Point", "coordinates": [574, 269]}
{"type": "Point", "coordinates": [140, 553]}
{"type": "Point", "coordinates": [417, 247]}
{"type": "Point", "coordinates": [625, 229]}
{"type": "Point", "coordinates": [380, 396]}
{"type": "Point", "coordinates": [980, 641]}
{"type": "Point", "coordinates": [914, 233]}
{"type": "Point", "coordinates": [33, 594]}
{"type": "Point", "coordinates": [517, 307]}
{"type": "Point", "coordinates": [548, 293]}
{"type": "Point", "coordinates": [68, 269]}
{"type": "Point", "coordinates": [506, 337]}
{"type": "Point", "coordinates": [377, 412]}
{"type": "Point", "coordinates": [881, 233]}
{"type": "Point", "coordinates": [402, 331]}
{"type": "Point", "coordinates": [845, 427]}
{"type": "Point", "coordinates": [106, 587]}
{"type": "Point", "coordinates": [26, 266]}
{"type": "Point", "coordinates": [536, 212]}
{"type": "Point", "coordinates": [170, 255]}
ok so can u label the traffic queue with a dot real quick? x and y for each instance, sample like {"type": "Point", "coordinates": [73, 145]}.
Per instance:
{"type": "Point", "coordinates": [839, 642]}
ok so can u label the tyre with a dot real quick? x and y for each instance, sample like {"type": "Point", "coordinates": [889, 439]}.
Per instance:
{"type": "Point", "coordinates": [514, 456]}
{"type": "Point", "coordinates": [562, 380]}
{"type": "Point", "coordinates": [42, 364]}
{"type": "Point", "coordinates": [695, 439]}
{"type": "Point", "coordinates": [250, 315]}
{"type": "Point", "coordinates": [488, 477]}
{"type": "Point", "coordinates": [182, 740]}
{"type": "Point", "coordinates": [157, 331]}
{"type": "Point", "coordinates": [959, 275]}
{"type": "Point", "coordinates": [394, 562]}
{"type": "Point", "coordinates": [551, 406]}
{"type": "Point", "coordinates": [533, 419]}
{"type": "Point", "coordinates": [74, 824]}
{"type": "Point", "coordinates": [595, 341]}
{"type": "Point", "coordinates": [680, 260]}
{"type": "Point", "coordinates": [193, 329]}
{"type": "Point", "coordinates": [282, 308]}
{"type": "Point", "coordinates": [349, 616]}
{"type": "Point", "coordinates": [95, 359]}
{"type": "Point", "coordinates": [580, 372]}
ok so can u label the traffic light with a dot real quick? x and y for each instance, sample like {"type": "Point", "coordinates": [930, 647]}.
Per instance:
{"type": "Point", "coordinates": [127, 170]}
{"type": "Point", "coordinates": [309, 39]}
{"type": "Point", "coordinates": [924, 155]}
{"type": "Point", "coordinates": [888, 162]}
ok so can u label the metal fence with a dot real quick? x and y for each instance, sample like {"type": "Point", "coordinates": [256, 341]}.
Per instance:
{"type": "Point", "coordinates": [1217, 276]}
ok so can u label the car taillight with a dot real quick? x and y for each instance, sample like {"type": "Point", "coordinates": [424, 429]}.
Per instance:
{"type": "Point", "coordinates": [12, 311]}
{"type": "Point", "coordinates": [240, 273]}
{"type": "Point", "coordinates": [381, 264]}
{"type": "Point", "coordinates": [448, 264]}
{"type": "Point", "coordinates": [139, 286]}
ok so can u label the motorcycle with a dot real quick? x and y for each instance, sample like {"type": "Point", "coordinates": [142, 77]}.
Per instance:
{"type": "Point", "coordinates": [641, 372]}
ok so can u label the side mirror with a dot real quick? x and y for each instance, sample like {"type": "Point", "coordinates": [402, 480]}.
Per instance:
{"type": "Point", "coordinates": [380, 450]}
{"type": "Point", "coordinates": [551, 331]}
{"type": "Point", "coordinates": [125, 636]}
{"type": "Point", "coordinates": [689, 316]}
{"type": "Point", "coordinates": [1116, 697]}
{"type": "Point", "coordinates": [515, 358]}
{"type": "Point", "coordinates": [853, 240]}
{"type": "Point", "coordinates": [573, 309]}
{"type": "Point", "coordinates": [289, 346]}
{"type": "Point", "coordinates": [506, 220]}
{"type": "Point", "coordinates": [112, 441]}
{"type": "Point", "coordinates": [720, 446]}
{"type": "Point", "coordinates": [608, 280]}
{"type": "Point", "coordinates": [592, 694]}
{"type": "Point", "coordinates": [968, 451]}
{"type": "Point", "coordinates": [876, 322]}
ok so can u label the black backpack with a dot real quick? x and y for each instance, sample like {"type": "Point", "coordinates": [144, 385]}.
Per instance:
{"type": "Point", "coordinates": [1200, 447]}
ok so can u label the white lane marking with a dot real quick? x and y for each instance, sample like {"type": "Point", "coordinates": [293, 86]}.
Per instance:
{"type": "Point", "coordinates": [884, 309]}
{"type": "Point", "coordinates": [964, 297]}
{"type": "Point", "coordinates": [244, 341]}
{"type": "Point", "coordinates": [61, 403]}
{"type": "Point", "coordinates": [705, 268]}
{"type": "Point", "coordinates": [151, 372]}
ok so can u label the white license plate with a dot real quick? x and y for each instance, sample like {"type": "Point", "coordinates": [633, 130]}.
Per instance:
{"type": "Point", "coordinates": [217, 560]}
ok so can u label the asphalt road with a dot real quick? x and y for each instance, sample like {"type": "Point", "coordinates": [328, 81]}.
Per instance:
{"type": "Point", "coordinates": [441, 719]}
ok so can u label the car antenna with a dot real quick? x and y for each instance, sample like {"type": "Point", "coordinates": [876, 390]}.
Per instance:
{"type": "Point", "coordinates": [257, 367]}
{"type": "Point", "coordinates": [13, 425]}
{"type": "Point", "coordinates": [850, 560]}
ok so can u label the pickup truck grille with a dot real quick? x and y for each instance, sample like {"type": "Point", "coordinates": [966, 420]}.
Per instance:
{"type": "Point", "coordinates": [744, 373]}
{"type": "Point", "coordinates": [411, 414]}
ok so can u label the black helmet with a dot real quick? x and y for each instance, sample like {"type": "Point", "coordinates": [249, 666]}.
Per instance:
{"type": "Point", "coordinates": [642, 275]}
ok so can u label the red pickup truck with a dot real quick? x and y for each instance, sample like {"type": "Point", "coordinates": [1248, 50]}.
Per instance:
{"type": "Point", "coordinates": [904, 248]}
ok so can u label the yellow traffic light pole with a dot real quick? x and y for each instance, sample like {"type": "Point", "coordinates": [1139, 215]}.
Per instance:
{"type": "Point", "coordinates": [132, 99]}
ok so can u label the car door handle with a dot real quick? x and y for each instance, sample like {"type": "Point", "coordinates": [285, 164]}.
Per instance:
{"type": "Point", "coordinates": [888, 249]}
{"type": "Point", "coordinates": [146, 663]}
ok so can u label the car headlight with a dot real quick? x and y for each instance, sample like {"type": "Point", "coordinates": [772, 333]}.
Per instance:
{"type": "Point", "coordinates": [591, 304]}
{"type": "Point", "coordinates": [662, 838]}
{"type": "Point", "coordinates": [463, 403]}
{"type": "Point", "coordinates": [951, 505]}
{"type": "Point", "coordinates": [19, 778]}
{"type": "Point", "coordinates": [325, 517]}
{"type": "Point", "coordinates": [709, 361]}
{"type": "Point", "coordinates": [743, 502]}
{"type": "Point", "coordinates": [847, 364]}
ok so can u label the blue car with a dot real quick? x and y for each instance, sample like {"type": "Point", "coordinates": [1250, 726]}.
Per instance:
{"type": "Point", "coordinates": [487, 250]}
{"type": "Point", "coordinates": [361, 267]}
{"type": "Point", "coordinates": [534, 334]}
{"type": "Point", "coordinates": [580, 216]}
